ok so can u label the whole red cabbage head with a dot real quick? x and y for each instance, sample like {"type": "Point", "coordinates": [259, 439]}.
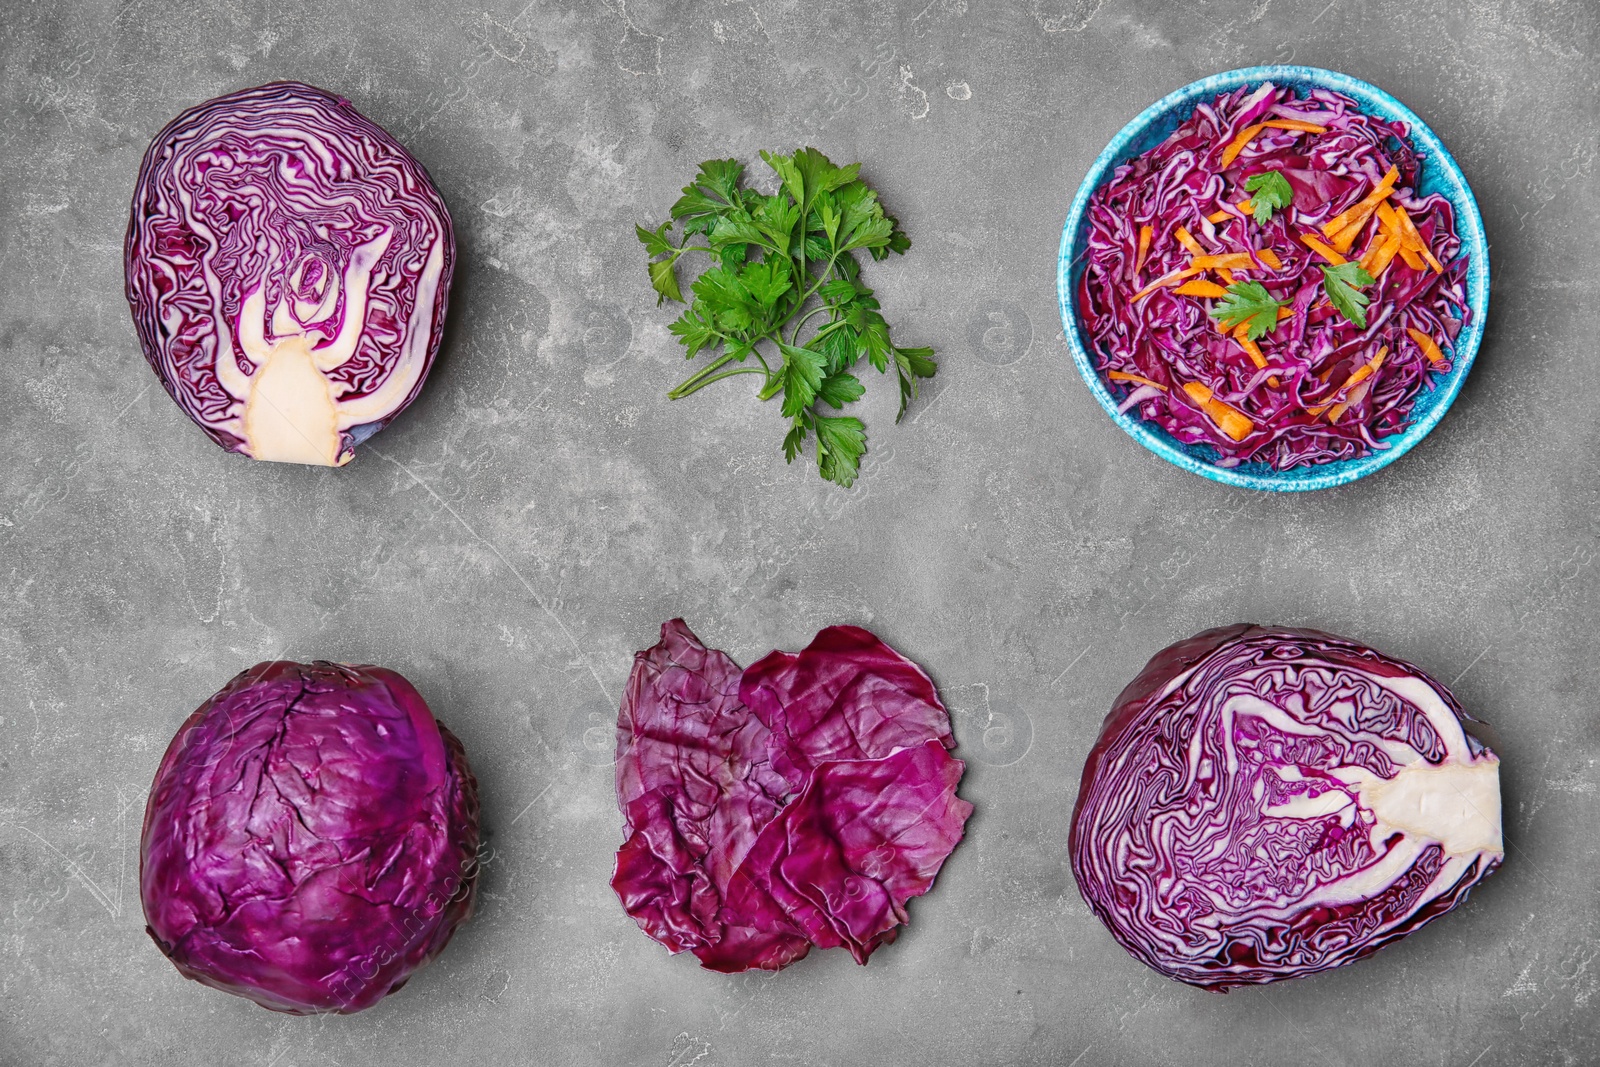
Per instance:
{"type": "Point", "coordinates": [1265, 803]}
{"type": "Point", "coordinates": [288, 264]}
{"type": "Point", "coordinates": [311, 838]}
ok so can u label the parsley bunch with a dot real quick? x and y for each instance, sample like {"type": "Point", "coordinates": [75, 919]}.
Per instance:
{"type": "Point", "coordinates": [777, 263]}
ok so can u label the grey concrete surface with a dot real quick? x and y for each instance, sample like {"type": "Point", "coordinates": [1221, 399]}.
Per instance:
{"type": "Point", "coordinates": [543, 508]}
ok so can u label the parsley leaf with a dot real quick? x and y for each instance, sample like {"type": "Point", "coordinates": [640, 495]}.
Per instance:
{"type": "Point", "coordinates": [838, 291]}
{"type": "Point", "coordinates": [656, 241]}
{"type": "Point", "coordinates": [693, 331]}
{"type": "Point", "coordinates": [664, 280]}
{"type": "Point", "coordinates": [713, 193]}
{"type": "Point", "coordinates": [1249, 303]}
{"type": "Point", "coordinates": [1269, 191]}
{"type": "Point", "coordinates": [777, 264]}
{"type": "Point", "coordinates": [736, 228]}
{"type": "Point", "coordinates": [801, 377]}
{"type": "Point", "coordinates": [913, 364]}
{"type": "Point", "coordinates": [795, 440]}
{"type": "Point", "coordinates": [840, 389]}
{"type": "Point", "coordinates": [1343, 285]}
{"type": "Point", "coordinates": [841, 439]}
{"type": "Point", "coordinates": [767, 280]}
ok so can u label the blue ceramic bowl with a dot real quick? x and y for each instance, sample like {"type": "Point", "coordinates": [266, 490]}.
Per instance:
{"type": "Point", "coordinates": [1439, 174]}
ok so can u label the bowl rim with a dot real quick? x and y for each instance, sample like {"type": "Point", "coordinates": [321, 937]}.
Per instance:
{"type": "Point", "coordinates": [1469, 226]}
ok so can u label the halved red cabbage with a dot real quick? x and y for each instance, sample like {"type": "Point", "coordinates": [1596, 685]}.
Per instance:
{"type": "Point", "coordinates": [1265, 803]}
{"type": "Point", "coordinates": [1171, 339]}
{"type": "Point", "coordinates": [311, 838]}
{"type": "Point", "coordinates": [801, 802]}
{"type": "Point", "coordinates": [288, 264]}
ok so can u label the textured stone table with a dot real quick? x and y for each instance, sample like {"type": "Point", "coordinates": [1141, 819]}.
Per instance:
{"type": "Point", "coordinates": [542, 509]}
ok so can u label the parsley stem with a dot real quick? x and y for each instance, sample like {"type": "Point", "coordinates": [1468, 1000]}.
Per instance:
{"type": "Point", "coordinates": [680, 392]}
{"type": "Point", "coordinates": [688, 385]}
{"type": "Point", "coordinates": [794, 338]}
{"type": "Point", "coordinates": [821, 278]}
{"type": "Point", "coordinates": [703, 377]}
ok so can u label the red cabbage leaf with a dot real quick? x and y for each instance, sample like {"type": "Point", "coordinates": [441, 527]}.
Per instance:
{"type": "Point", "coordinates": [846, 696]}
{"type": "Point", "coordinates": [807, 814]}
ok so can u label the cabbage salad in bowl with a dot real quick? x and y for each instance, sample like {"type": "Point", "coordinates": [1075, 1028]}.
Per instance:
{"type": "Point", "coordinates": [1269, 281]}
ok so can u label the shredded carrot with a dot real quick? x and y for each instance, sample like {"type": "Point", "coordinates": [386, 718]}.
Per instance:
{"type": "Point", "coordinates": [1369, 368]}
{"type": "Point", "coordinates": [1145, 233]}
{"type": "Point", "coordinates": [1359, 375]}
{"type": "Point", "coordinates": [1243, 207]}
{"type": "Point", "coordinates": [1330, 254]}
{"type": "Point", "coordinates": [1253, 350]}
{"type": "Point", "coordinates": [1429, 346]}
{"type": "Point", "coordinates": [1414, 241]}
{"type": "Point", "coordinates": [1165, 280]}
{"type": "Point", "coordinates": [1247, 134]}
{"type": "Point", "coordinates": [1124, 376]}
{"type": "Point", "coordinates": [1347, 237]}
{"type": "Point", "coordinates": [1363, 209]}
{"type": "Point", "coordinates": [1236, 424]}
{"type": "Point", "coordinates": [1201, 287]}
{"type": "Point", "coordinates": [1377, 259]}
{"type": "Point", "coordinates": [1241, 334]}
{"type": "Point", "coordinates": [1285, 313]}
{"type": "Point", "coordinates": [1236, 146]}
{"type": "Point", "coordinates": [1373, 244]}
{"type": "Point", "coordinates": [1358, 394]}
{"type": "Point", "coordinates": [1186, 239]}
{"type": "Point", "coordinates": [1295, 124]}
{"type": "Point", "coordinates": [1400, 221]}
{"type": "Point", "coordinates": [1389, 219]}
{"type": "Point", "coordinates": [1236, 261]}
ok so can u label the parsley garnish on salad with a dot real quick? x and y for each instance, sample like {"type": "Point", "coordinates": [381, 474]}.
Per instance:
{"type": "Point", "coordinates": [1343, 283]}
{"type": "Point", "coordinates": [1269, 191]}
{"type": "Point", "coordinates": [1249, 303]}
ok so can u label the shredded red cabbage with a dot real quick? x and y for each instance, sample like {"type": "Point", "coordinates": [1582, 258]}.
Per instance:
{"type": "Point", "coordinates": [1310, 356]}
{"type": "Point", "coordinates": [800, 802]}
